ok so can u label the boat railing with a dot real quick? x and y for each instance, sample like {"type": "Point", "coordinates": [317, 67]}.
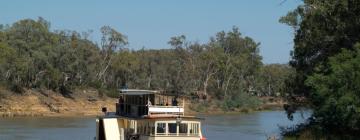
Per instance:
{"type": "Point", "coordinates": [151, 110]}
{"type": "Point", "coordinates": [166, 110]}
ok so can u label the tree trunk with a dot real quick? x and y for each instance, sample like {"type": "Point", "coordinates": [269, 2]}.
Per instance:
{"type": "Point", "coordinates": [227, 84]}
{"type": "Point", "coordinates": [149, 81]}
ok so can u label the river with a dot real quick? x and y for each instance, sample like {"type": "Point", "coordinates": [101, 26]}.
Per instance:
{"type": "Point", "coordinates": [254, 126]}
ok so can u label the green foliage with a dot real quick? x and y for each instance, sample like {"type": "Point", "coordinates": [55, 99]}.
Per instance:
{"type": "Point", "coordinates": [326, 61]}
{"type": "Point", "coordinates": [336, 94]}
{"type": "Point", "coordinates": [241, 101]}
{"type": "Point", "coordinates": [200, 106]}
{"type": "Point", "coordinates": [322, 29]}
{"type": "Point", "coordinates": [33, 57]}
{"type": "Point", "coordinates": [112, 93]}
{"type": "Point", "coordinates": [273, 78]}
{"type": "Point", "coordinates": [228, 67]}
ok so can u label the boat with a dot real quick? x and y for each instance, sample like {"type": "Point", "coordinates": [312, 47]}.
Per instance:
{"type": "Point", "coordinates": [148, 115]}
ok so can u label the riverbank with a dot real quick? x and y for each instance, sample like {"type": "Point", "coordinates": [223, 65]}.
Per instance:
{"type": "Point", "coordinates": [88, 102]}
{"type": "Point", "coordinates": [49, 103]}
{"type": "Point", "coordinates": [214, 107]}
{"type": "Point", "coordinates": [308, 131]}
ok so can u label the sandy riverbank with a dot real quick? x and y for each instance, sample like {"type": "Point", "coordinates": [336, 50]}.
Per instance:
{"type": "Point", "coordinates": [49, 103]}
{"type": "Point", "coordinates": [85, 103]}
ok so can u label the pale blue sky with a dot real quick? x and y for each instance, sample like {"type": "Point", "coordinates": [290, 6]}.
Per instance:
{"type": "Point", "coordinates": [151, 23]}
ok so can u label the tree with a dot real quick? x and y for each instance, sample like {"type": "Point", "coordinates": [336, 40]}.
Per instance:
{"type": "Point", "coordinates": [322, 29]}
{"type": "Point", "coordinates": [226, 68]}
{"type": "Point", "coordinates": [325, 31]}
{"type": "Point", "coordinates": [111, 41]}
{"type": "Point", "coordinates": [238, 61]}
{"type": "Point", "coordinates": [336, 94]}
{"type": "Point", "coordinates": [272, 79]}
{"type": "Point", "coordinates": [6, 57]}
{"type": "Point", "coordinates": [34, 57]}
{"type": "Point", "coordinates": [180, 65]}
{"type": "Point", "coordinates": [123, 69]}
{"type": "Point", "coordinates": [207, 67]}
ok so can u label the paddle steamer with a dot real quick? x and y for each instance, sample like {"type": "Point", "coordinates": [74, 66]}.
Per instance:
{"type": "Point", "coordinates": [148, 115]}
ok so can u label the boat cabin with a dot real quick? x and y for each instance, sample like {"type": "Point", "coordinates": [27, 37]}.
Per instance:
{"type": "Point", "coordinates": [140, 103]}
{"type": "Point", "coordinates": [148, 115]}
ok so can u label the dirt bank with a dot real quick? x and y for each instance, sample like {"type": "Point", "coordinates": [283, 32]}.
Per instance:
{"type": "Point", "coordinates": [89, 103]}
{"type": "Point", "coordinates": [49, 103]}
{"type": "Point", "coordinates": [213, 107]}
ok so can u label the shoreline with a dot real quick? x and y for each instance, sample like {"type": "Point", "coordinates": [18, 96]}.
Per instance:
{"type": "Point", "coordinates": [87, 103]}
{"type": "Point", "coordinates": [14, 115]}
{"type": "Point", "coordinates": [90, 115]}
{"type": "Point", "coordinates": [236, 112]}
{"type": "Point", "coordinates": [80, 115]}
{"type": "Point", "coordinates": [46, 103]}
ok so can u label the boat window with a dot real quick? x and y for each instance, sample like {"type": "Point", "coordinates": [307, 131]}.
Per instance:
{"type": "Point", "coordinates": [172, 128]}
{"type": "Point", "coordinates": [183, 127]}
{"type": "Point", "coordinates": [194, 129]}
{"type": "Point", "coordinates": [161, 127]}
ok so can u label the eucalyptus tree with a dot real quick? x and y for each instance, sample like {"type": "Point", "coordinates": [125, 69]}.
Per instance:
{"type": "Point", "coordinates": [238, 61]}
{"type": "Point", "coordinates": [322, 28]}
{"type": "Point", "coordinates": [111, 41]}
{"type": "Point", "coordinates": [326, 31]}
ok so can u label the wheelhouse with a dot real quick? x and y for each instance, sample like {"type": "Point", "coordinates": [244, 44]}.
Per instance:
{"type": "Point", "coordinates": [138, 103]}
{"type": "Point", "coordinates": [148, 115]}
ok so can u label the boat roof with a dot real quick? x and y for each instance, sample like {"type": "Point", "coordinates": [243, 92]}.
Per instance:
{"type": "Point", "coordinates": [172, 117]}
{"type": "Point", "coordinates": [146, 117]}
{"type": "Point", "coordinates": [136, 92]}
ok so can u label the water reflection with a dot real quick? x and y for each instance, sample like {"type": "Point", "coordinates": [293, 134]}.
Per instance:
{"type": "Point", "coordinates": [258, 125]}
{"type": "Point", "coordinates": [47, 128]}
{"type": "Point", "coordinates": [253, 126]}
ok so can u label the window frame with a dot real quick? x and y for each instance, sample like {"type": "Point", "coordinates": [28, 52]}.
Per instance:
{"type": "Point", "coordinates": [194, 126]}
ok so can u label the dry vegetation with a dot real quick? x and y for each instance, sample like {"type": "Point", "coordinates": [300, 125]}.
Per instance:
{"type": "Point", "coordinates": [49, 103]}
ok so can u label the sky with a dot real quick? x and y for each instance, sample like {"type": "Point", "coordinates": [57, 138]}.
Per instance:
{"type": "Point", "coordinates": [151, 23]}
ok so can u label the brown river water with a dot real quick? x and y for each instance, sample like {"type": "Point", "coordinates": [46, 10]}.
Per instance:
{"type": "Point", "coordinates": [251, 126]}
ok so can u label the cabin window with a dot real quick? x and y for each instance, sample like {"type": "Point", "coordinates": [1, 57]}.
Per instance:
{"type": "Point", "coordinates": [194, 129]}
{"type": "Point", "coordinates": [183, 127]}
{"type": "Point", "coordinates": [172, 128]}
{"type": "Point", "coordinates": [161, 127]}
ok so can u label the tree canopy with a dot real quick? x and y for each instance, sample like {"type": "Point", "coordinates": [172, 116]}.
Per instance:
{"type": "Point", "coordinates": [225, 68]}
{"type": "Point", "coordinates": [325, 59]}
{"type": "Point", "coordinates": [336, 95]}
{"type": "Point", "coordinates": [322, 28]}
